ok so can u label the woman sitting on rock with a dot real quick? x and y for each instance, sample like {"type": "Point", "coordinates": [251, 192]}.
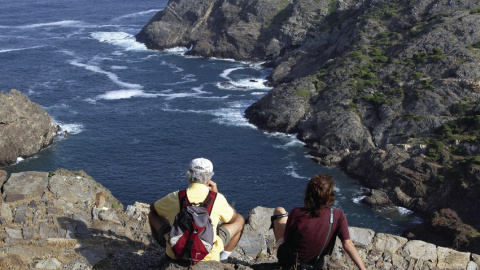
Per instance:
{"type": "Point", "coordinates": [308, 233]}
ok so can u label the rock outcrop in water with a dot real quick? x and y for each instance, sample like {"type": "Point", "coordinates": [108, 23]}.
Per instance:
{"type": "Point", "coordinates": [387, 89]}
{"type": "Point", "coordinates": [25, 128]}
{"type": "Point", "coordinates": [66, 220]}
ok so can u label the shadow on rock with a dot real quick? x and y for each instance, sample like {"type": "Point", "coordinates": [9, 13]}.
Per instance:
{"type": "Point", "coordinates": [102, 248]}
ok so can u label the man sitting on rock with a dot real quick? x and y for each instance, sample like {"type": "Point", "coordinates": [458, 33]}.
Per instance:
{"type": "Point", "coordinates": [162, 212]}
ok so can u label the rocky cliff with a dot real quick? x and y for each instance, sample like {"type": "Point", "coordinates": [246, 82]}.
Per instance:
{"type": "Point", "coordinates": [25, 128]}
{"type": "Point", "coordinates": [66, 220]}
{"type": "Point", "coordinates": [386, 89]}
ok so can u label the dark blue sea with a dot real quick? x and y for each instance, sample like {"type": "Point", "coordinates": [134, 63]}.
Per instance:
{"type": "Point", "coordinates": [136, 117]}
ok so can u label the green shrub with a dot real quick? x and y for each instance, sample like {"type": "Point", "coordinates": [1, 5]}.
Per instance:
{"type": "Point", "coordinates": [319, 85]}
{"type": "Point", "coordinates": [425, 84]}
{"type": "Point", "coordinates": [332, 6]}
{"type": "Point", "coordinates": [304, 93]}
{"type": "Point", "coordinates": [357, 56]}
{"type": "Point", "coordinates": [474, 10]}
{"type": "Point", "coordinates": [376, 99]}
{"type": "Point", "coordinates": [434, 151]}
{"type": "Point", "coordinates": [417, 75]}
{"type": "Point", "coordinates": [412, 116]}
{"type": "Point", "coordinates": [472, 160]}
{"type": "Point", "coordinates": [418, 29]}
{"type": "Point", "coordinates": [458, 108]}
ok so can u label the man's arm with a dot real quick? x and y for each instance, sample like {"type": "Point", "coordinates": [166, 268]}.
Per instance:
{"type": "Point", "coordinates": [158, 225]}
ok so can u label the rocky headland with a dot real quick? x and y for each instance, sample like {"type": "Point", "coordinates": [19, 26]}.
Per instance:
{"type": "Point", "coordinates": [25, 128]}
{"type": "Point", "coordinates": [66, 220]}
{"type": "Point", "coordinates": [388, 90]}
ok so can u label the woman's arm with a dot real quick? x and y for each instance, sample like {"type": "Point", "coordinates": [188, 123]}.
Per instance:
{"type": "Point", "coordinates": [351, 250]}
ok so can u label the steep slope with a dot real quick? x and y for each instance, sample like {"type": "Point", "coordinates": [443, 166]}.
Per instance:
{"type": "Point", "coordinates": [386, 89]}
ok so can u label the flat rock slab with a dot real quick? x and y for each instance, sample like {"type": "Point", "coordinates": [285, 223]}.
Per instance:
{"type": "Point", "coordinates": [25, 184]}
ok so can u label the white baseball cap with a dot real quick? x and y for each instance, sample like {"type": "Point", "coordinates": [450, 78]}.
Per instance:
{"type": "Point", "coordinates": [201, 165]}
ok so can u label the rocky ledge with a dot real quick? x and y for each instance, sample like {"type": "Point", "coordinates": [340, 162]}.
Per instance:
{"type": "Point", "coordinates": [66, 220]}
{"type": "Point", "coordinates": [25, 128]}
{"type": "Point", "coordinates": [386, 89]}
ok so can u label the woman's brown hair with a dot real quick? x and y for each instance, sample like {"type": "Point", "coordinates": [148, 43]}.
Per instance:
{"type": "Point", "coordinates": [319, 194]}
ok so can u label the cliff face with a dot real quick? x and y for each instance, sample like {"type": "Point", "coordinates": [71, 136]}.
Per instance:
{"type": "Point", "coordinates": [25, 128]}
{"type": "Point", "coordinates": [66, 220]}
{"type": "Point", "coordinates": [387, 89]}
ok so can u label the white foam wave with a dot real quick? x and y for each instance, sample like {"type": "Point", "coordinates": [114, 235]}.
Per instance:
{"type": "Point", "coordinates": [404, 211]}
{"type": "Point", "coordinates": [19, 49]}
{"type": "Point", "coordinates": [124, 40]}
{"type": "Point", "coordinates": [199, 90]}
{"type": "Point", "coordinates": [358, 199]}
{"type": "Point", "coordinates": [110, 75]}
{"type": "Point", "coordinates": [119, 67]}
{"type": "Point", "coordinates": [125, 94]}
{"type": "Point", "coordinates": [65, 23]}
{"type": "Point", "coordinates": [257, 93]}
{"type": "Point", "coordinates": [177, 50]}
{"type": "Point", "coordinates": [73, 128]}
{"type": "Point", "coordinates": [226, 73]}
{"type": "Point", "coordinates": [291, 139]}
{"type": "Point", "coordinates": [293, 173]}
{"type": "Point", "coordinates": [245, 83]}
{"type": "Point", "coordinates": [231, 117]}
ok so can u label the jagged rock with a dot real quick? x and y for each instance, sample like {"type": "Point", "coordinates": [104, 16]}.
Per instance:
{"type": "Point", "coordinates": [69, 239]}
{"type": "Point", "coordinates": [357, 81]}
{"type": "Point", "coordinates": [25, 128]}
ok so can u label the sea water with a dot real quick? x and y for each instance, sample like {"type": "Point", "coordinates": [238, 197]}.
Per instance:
{"type": "Point", "coordinates": [136, 117]}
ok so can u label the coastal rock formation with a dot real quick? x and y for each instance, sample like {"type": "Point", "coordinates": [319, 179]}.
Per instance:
{"type": "Point", "coordinates": [66, 220]}
{"type": "Point", "coordinates": [25, 128]}
{"type": "Point", "coordinates": [386, 89]}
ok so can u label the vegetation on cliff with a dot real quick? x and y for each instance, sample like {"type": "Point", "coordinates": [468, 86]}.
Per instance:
{"type": "Point", "coordinates": [387, 89]}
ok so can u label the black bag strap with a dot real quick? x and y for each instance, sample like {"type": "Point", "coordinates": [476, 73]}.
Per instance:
{"type": "Point", "coordinates": [207, 203]}
{"type": "Point", "coordinates": [326, 239]}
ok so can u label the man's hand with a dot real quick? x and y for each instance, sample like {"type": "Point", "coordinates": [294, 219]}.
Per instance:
{"type": "Point", "coordinates": [212, 186]}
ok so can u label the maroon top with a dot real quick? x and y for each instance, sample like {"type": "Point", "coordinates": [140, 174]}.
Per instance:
{"type": "Point", "coordinates": [305, 235]}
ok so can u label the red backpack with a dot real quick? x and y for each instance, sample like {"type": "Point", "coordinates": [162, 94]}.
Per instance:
{"type": "Point", "coordinates": [191, 236]}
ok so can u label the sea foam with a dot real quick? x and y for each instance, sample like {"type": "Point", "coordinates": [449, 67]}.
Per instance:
{"type": "Point", "coordinates": [125, 94]}
{"type": "Point", "coordinates": [65, 23]}
{"type": "Point", "coordinates": [112, 76]}
{"type": "Point", "coordinates": [121, 39]}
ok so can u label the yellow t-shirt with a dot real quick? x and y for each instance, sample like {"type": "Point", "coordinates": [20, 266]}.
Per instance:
{"type": "Point", "coordinates": [169, 206]}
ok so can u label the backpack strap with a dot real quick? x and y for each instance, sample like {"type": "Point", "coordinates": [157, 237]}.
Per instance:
{"type": "Point", "coordinates": [208, 203]}
{"type": "Point", "coordinates": [183, 199]}
{"type": "Point", "coordinates": [326, 239]}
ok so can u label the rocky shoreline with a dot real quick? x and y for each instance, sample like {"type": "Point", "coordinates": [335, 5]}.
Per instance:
{"type": "Point", "coordinates": [388, 90]}
{"type": "Point", "coordinates": [66, 220]}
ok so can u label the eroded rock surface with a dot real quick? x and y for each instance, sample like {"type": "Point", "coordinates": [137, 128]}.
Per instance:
{"type": "Point", "coordinates": [66, 220]}
{"type": "Point", "coordinates": [25, 128]}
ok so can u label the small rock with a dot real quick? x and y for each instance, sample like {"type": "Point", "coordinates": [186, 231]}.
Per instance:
{"type": "Point", "coordinates": [50, 263]}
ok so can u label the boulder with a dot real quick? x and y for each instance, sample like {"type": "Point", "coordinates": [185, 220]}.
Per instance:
{"type": "Point", "coordinates": [25, 128]}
